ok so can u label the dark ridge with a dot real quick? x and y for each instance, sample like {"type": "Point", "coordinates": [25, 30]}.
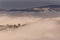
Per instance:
{"type": "Point", "coordinates": [4, 27]}
{"type": "Point", "coordinates": [24, 10]}
{"type": "Point", "coordinates": [49, 6]}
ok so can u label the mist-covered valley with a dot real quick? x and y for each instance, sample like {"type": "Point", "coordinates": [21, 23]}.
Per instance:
{"type": "Point", "coordinates": [39, 25]}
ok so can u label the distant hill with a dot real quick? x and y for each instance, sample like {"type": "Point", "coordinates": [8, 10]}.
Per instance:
{"type": "Point", "coordinates": [53, 7]}
{"type": "Point", "coordinates": [49, 6]}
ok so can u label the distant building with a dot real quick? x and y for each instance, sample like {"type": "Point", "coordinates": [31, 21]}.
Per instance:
{"type": "Point", "coordinates": [40, 9]}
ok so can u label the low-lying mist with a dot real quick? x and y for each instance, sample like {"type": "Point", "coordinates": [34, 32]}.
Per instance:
{"type": "Point", "coordinates": [39, 26]}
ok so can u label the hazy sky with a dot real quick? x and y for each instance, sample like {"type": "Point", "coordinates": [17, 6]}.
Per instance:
{"type": "Point", "coordinates": [30, 0]}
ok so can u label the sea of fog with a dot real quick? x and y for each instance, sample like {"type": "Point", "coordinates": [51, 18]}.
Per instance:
{"type": "Point", "coordinates": [39, 25]}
